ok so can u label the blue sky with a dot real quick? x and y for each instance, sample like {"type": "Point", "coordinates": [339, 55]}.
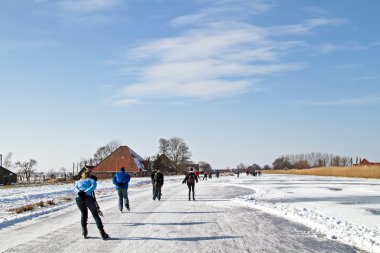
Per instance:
{"type": "Point", "coordinates": [240, 81]}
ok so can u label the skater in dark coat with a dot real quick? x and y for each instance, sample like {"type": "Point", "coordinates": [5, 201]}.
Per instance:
{"type": "Point", "coordinates": [152, 178]}
{"type": "Point", "coordinates": [190, 179]}
{"type": "Point", "coordinates": [158, 183]}
{"type": "Point", "coordinates": [205, 174]}
{"type": "Point", "coordinates": [84, 189]}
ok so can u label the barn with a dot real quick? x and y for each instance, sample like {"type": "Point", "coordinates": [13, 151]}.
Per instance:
{"type": "Point", "coordinates": [7, 176]}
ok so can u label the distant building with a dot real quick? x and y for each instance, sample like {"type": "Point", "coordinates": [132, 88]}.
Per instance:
{"type": "Point", "coordinates": [7, 176]}
{"type": "Point", "coordinates": [365, 162]}
{"type": "Point", "coordinates": [125, 157]}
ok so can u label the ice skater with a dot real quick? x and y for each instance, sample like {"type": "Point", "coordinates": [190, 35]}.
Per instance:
{"type": "Point", "coordinates": [190, 179]}
{"type": "Point", "coordinates": [158, 183]}
{"type": "Point", "coordinates": [84, 189]}
{"type": "Point", "coordinates": [121, 181]}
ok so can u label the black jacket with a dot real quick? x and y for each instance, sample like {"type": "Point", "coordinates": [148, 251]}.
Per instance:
{"type": "Point", "coordinates": [158, 178]}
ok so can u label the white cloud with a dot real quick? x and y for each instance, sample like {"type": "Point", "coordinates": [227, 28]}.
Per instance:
{"type": "Point", "coordinates": [367, 100]}
{"type": "Point", "coordinates": [330, 48]}
{"type": "Point", "coordinates": [125, 102]}
{"type": "Point", "coordinates": [88, 5]}
{"type": "Point", "coordinates": [348, 66]}
{"type": "Point", "coordinates": [84, 11]}
{"type": "Point", "coordinates": [224, 10]}
{"type": "Point", "coordinates": [213, 57]}
{"type": "Point", "coordinates": [26, 44]}
{"type": "Point", "coordinates": [306, 27]}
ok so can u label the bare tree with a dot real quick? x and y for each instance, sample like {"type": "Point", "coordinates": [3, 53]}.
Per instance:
{"type": "Point", "coordinates": [205, 166]}
{"type": "Point", "coordinates": [177, 151]}
{"type": "Point", "coordinates": [63, 172]}
{"type": "Point", "coordinates": [8, 161]}
{"type": "Point", "coordinates": [241, 167]}
{"type": "Point", "coordinates": [52, 174]}
{"type": "Point", "coordinates": [104, 151]}
{"type": "Point", "coordinates": [27, 168]}
{"type": "Point", "coordinates": [164, 146]}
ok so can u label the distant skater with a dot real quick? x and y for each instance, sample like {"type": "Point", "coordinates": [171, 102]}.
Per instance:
{"type": "Point", "coordinates": [205, 175]}
{"type": "Point", "coordinates": [152, 179]}
{"type": "Point", "coordinates": [196, 174]}
{"type": "Point", "coordinates": [121, 181]}
{"type": "Point", "coordinates": [190, 179]}
{"type": "Point", "coordinates": [84, 188]}
{"type": "Point", "coordinates": [158, 183]}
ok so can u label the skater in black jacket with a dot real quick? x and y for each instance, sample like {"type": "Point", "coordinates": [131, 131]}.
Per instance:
{"type": "Point", "coordinates": [158, 183]}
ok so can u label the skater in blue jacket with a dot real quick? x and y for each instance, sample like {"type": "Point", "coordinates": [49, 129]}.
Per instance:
{"type": "Point", "coordinates": [121, 181]}
{"type": "Point", "coordinates": [85, 200]}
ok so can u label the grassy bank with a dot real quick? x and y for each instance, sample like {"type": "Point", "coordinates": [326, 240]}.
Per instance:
{"type": "Point", "coordinates": [357, 171]}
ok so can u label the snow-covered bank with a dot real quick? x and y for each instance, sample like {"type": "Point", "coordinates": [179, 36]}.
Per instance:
{"type": "Point", "coordinates": [345, 209]}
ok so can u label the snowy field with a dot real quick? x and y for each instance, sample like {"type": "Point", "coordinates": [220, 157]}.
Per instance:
{"type": "Point", "coordinates": [342, 210]}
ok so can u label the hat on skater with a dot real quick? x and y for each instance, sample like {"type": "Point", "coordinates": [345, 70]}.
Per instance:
{"type": "Point", "coordinates": [122, 169]}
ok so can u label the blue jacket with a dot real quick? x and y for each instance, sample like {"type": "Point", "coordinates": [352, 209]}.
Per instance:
{"type": "Point", "coordinates": [121, 177]}
{"type": "Point", "coordinates": [87, 185]}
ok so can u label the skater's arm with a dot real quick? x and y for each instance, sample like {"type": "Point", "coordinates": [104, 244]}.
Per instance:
{"type": "Point", "coordinates": [185, 179]}
{"type": "Point", "coordinates": [114, 181]}
{"type": "Point", "coordinates": [89, 190]}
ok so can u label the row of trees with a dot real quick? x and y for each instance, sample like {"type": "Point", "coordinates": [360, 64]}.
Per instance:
{"type": "Point", "coordinates": [25, 170]}
{"type": "Point", "coordinates": [310, 160]}
{"type": "Point", "coordinates": [301, 161]}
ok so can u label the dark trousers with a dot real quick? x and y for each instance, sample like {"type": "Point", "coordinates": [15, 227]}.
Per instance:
{"type": "Point", "coordinates": [157, 191]}
{"type": "Point", "coordinates": [83, 204]}
{"type": "Point", "coordinates": [191, 188]}
{"type": "Point", "coordinates": [123, 194]}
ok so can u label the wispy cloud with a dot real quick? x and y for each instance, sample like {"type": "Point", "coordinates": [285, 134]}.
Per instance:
{"type": "Point", "coordinates": [213, 57]}
{"type": "Point", "coordinates": [83, 11]}
{"type": "Point", "coordinates": [348, 66]}
{"type": "Point", "coordinates": [361, 101]}
{"type": "Point", "coordinates": [350, 46]}
{"type": "Point", "coordinates": [125, 102]}
{"type": "Point", "coordinates": [306, 27]}
{"type": "Point", "coordinates": [26, 44]}
{"type": "Point", "coordinates": [87, 6]}
{"type": "Point", "coordinates": [224, 10]}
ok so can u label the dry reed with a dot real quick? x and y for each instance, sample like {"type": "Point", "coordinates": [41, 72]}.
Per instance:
{"type": "Point", "coordinates": [30, 207]}
{"type": "Point", "coordinates": [354, 171]}
{"type": "Point", "coordinates": [22, 209]}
